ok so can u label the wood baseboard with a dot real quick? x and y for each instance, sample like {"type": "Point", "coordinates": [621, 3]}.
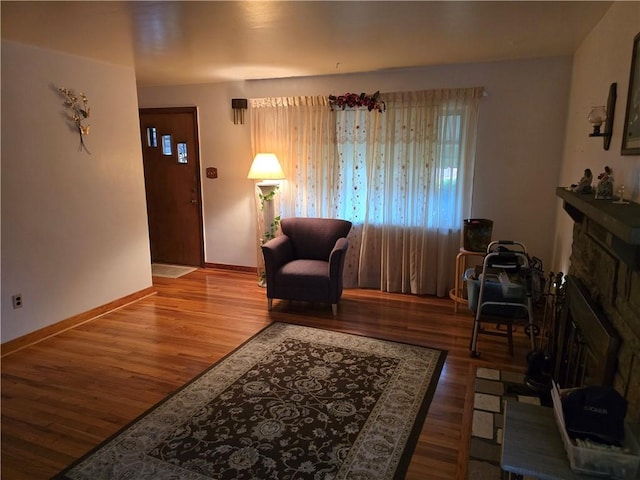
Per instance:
{"type": "Point", "coordinates": [49, 331]}
{"type": "Point", "coordinates": [235, 268]}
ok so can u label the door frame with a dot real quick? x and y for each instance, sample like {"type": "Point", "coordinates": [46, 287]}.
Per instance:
{"type": "Point", "coordinates": [193, 110]}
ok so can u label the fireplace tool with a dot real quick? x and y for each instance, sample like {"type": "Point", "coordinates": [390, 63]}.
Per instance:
{"type": "Point", "coordinates": [540, 362]}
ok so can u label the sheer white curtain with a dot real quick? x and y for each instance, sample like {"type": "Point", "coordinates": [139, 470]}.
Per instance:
{"type": "Point", "coordinates": [414, 164]}
{"type": "Point", "coordinates": [403, 177]}
{"type": "Point", "coordinates": [301, 132]}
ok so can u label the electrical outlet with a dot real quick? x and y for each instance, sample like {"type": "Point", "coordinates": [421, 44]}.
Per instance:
{"type": "Point", "coordinates": [17, 300]}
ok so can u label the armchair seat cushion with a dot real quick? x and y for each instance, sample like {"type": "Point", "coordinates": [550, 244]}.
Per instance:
{"type": "Point", "coordinates": [305, 273]}
{"type": "Point", "coordinates": [306, 280]}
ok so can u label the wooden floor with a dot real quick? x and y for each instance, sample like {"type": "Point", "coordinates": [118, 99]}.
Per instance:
{"type": "Point", "coordinates": [65, 395]}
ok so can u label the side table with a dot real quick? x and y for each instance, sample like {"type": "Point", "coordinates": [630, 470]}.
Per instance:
{"type": "Point", "coordinates": [456, 294]}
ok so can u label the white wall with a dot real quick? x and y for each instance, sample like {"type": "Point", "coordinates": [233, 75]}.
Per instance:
{"type": "Point", "coordinates": [74, 232]}
{"type": "Point", "coordinates": [520, 143]}
{"type": "Point", "coordinates": [603, 58]}
{"type": "Point", "coordinates": [74, 226]}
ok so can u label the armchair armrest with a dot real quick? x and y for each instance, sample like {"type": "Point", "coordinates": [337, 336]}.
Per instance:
{"type": "Point", "coordinates": [277, 252]}
{"type": "Point", "coordinates": [337, 256]}
{"type": "Point", "coordinates": [336, 267]}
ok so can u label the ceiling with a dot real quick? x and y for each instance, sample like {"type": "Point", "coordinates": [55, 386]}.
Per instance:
{"type": "Point", "coordinates": [172, 42]}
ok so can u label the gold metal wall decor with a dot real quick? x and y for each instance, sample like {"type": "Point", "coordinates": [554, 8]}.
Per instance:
{"type": "Point", "coordinates": [79, 112]}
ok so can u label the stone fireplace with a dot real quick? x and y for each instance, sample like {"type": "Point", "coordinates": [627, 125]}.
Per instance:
{"type": "Point", "coordinates": [605, 270]}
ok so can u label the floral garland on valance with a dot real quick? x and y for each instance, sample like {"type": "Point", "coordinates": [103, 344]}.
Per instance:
{"type": "Point", "coordinates": [353, 100]}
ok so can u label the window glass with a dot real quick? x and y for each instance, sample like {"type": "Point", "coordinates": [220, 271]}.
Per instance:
{"type": "Point", "coordinates": [166, 145]}
{"type": "Point", "coordinates": [182, 152]}
{"type": "Point", "coordinates": [152, 137]}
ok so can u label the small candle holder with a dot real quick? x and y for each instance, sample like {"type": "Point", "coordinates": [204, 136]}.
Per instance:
{"type": "Point", "coordinates": [621, 200]}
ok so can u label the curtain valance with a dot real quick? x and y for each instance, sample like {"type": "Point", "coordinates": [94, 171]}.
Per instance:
{"type": "Point", "coordinates": [270, 102]}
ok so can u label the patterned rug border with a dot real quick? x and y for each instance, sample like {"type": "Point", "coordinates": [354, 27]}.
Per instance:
{"type": "Point", "coordinates": [412, 438]}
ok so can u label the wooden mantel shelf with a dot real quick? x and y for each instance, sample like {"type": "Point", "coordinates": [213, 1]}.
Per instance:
{"type": "Point", "coordinates": [620, 222]}
{"type": "Point", "coordinates": [623, 221]}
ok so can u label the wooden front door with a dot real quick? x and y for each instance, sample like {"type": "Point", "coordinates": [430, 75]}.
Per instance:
{"type": "Point", "coordinates": [170, 152]}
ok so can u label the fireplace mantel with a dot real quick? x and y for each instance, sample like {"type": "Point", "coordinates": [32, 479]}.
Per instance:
{"type": "Point", "coordinates": [621, 222]}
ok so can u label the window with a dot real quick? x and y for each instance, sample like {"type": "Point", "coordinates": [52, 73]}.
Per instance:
{"type": "Point", "coordinates": [182, 153]}
{"type": "Point", "coordinates": [398, 170]}
{"type": "Point", "coordinates": [403, 177]}
{"type": "Point", "coordinates": [152, 137]}
{"type": "Point", "coordinates": [166, 145]}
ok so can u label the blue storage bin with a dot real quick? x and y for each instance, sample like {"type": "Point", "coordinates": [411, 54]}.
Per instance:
{"type": "Point", "coordinates": [496, 289]}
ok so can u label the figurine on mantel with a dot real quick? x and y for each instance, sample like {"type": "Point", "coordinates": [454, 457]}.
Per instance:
{"type": "Point", "coordinates": [621, 200]}
{"type": "Point", "coordinates": [604, 190]}
{"type": "Point", "coordinates": [584, 185]}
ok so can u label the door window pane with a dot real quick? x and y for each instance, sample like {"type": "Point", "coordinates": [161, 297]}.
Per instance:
{"type": "Point", "coordinates": [152, 137]}
{"type": "Point", "coordinates": [166, 145]}
{"type": "Point", "coordinates": [182, 152]}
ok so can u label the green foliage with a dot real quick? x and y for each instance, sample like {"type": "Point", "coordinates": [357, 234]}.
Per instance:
{"type": "Point", "coordinates": [273, 228]}
{"type": "Point", "coordinates": [268, 196]}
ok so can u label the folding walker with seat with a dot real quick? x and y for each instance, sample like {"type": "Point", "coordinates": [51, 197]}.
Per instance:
{"type": "Point", "coordinates": [501, 293]}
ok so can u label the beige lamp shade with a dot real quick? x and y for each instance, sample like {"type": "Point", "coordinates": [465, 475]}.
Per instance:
{"type": "Point", "coordinates": [266, 167]}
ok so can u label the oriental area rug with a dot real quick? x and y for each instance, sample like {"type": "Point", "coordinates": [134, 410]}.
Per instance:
{"type": "Point", "coordinates": [291, 403]}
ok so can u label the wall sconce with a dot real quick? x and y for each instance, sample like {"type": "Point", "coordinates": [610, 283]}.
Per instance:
{"type": "Point", "coordinates": [239, 105]}
{"type": "Point", "coordinates": [596, 117]}
{"type": "Point", "coordinates": [599, 115]}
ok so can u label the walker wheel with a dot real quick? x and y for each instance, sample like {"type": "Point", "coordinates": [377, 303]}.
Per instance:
{"type": "Point", "coordinates": [529, 327]}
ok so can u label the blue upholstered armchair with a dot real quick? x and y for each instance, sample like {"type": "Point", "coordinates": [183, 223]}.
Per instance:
{"type": "Point", "coordinates": [306, 262]}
